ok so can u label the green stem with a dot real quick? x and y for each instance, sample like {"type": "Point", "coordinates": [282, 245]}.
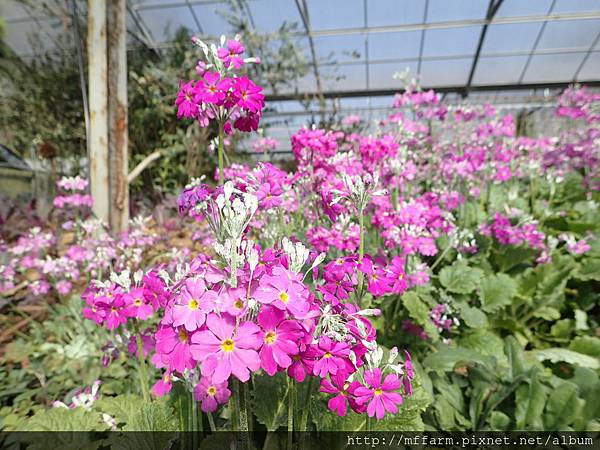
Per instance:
{"type": "Point", "coordinates": [211, 422]}
{"type": "Point", "coordinates": [439, 259]}
{"type": "Point", "coordinates": [194, 424]}
{"type": "Point", "coordinates": [304, 417]}
{"type": "Point", "coordinates": [235, 405]}
{"type": "Point", "coordinates": [221, 139]}
{"type": "Point", "coordinates": [142, 364]}
{"type": "Point", "coordinates": [244, 417]}
{"type": "Point", "coordinates": [361, 254]}
{"type": "Point", "coordinates": [290, 418]}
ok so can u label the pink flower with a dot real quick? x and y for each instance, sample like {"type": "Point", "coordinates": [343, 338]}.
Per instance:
{"type": "Point", "coordinates": [192, 305]}
{"type": "Point", "coordinates": [301, 366]}
{"type": "Point", "coordinates": [211, 394]}
{"type": "Point", "coordinates": [396, 275]}
{"type": "Point", "coordinates": [173, 348]}
{"type": "Point", "coordinates": [283, 290]}
{"type": "Point", "coordinates": [381, 397]}
{"type": "Point", "coordinates": [234, 301]}
{"type": "Point", "coordinates": [248, 94]}
{"type": "Point", "coordinates": [224, 350]}
{"type": "Point", "coordinates": [147, 344]}
{"type": "Point", "coordinates": [164, 385]}
{"type": "Point", "coordinates": [344, 391]}
{"type": "Point", "coordinates": [280, 339]}
{"type": "Point", "coordinates": [137, 306]}
{"type": "Point", "coordinates": [331, 357]}
{"type": "Point", "coordinates": [231, 56]}
{"type": "Point", "coordinates": [212, 88]}
{"type": "Point", "coordinates": [185, 102]}
{"type": "Point", "coordinates": [63, 287]}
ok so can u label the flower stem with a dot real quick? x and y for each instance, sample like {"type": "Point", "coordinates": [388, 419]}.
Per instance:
{"type": "Point", "coordinates": [361, 254]}
{"type": "Point", "coordinates": [290, 418]}
{"type": "Point", "coordinates": [211, 422]}
{"type": "Point", "coordinates": [304, 417]}
{"type": "Point", "coordinates": [221, 138]}
{"type": "Point", "coordinates": [235, 405]}
{"type": "Point", "coordinates": [142, 364]}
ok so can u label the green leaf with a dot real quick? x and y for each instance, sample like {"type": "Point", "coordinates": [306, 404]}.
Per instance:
{"type": "Point", "coordinates": [498, 421]}
{"type": "Point", "coordinates": [460, 278]}
{"type": "Point", "coordinates": [447, 358]}
{"type": "Point", "coordinates": [588, 345]}
{"type": "Point", "coordinates": [581, 320]}
{"type": "Point", "coordinates": [473, 317]}
{"type": "Point", "coordinates": [547, 313]}
{"type": "Point", "coordinates": [508, 257]}
{"type": "Point", "coordinates": [485, 343]}
{"type": "Point", "coordinates": [419, 311]}
{"type": "Point", "coordinates": [270, 400]}
{"type": "Point", "coordinates": [516, 359]}
{"type": "Point", "coordinates": [562, 329]}
{"type": "Point", "coordinates": [154, 416]}
{"type": "Point", "coordinates": [589, 269]}
{"type": "Point", "coordinates": [564, 355]}
{"type": "Point", "coordinates": [497, 291]}
{"type": "Point", "coordinates": [530, 401]}
{"type": "Point", "coordinates": [63, 419]}
{"type": "Point", "coordinates": [564, 406]}
{"type": "Point", "coordinates": [122, 407]}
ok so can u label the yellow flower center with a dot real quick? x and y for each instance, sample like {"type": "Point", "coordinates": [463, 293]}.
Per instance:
{"type": "Point", "coordinates": [166, 377]}
{"type": "Point", "coordinates": [183, 336]}
{"type": "Point", "coordinates": [327, 355]}
{"type": "Point", "coordinates": [238, 304]}
{"type": "Point", "coordinates": [193, 304]}
{"type": "Point", "coordinates": [212, 391]}
{"type": "Point", "coordinates": [270, 337]}
{"type": "Point", "coordinates": [138, 302]}
{"type": "Point", "coordinates": [227, 345]}
{"type": "Point", "coordinates": [375, 277]}
{"type": "Point", "coordinates": [378, 391]}
{"type": "Point", "coordinates": [401, 276]}
{"type": "Point", "coordinates": [284, 297]}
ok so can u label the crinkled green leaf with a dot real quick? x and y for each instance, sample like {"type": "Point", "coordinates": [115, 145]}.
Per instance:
{"type": "Point", "coordinates": [569, 356]}
{"type": "Point", "coordinates": [497, 291]}
{"type": "Point", "coordinates": [460, 278]}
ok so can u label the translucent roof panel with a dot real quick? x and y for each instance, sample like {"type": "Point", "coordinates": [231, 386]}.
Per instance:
{"type": "Point", "coordinates": [33, 37]}
{"type": "Point", "coordinates": [162, 23]}
{"type": "Point", "coordinates": [394, 12]}
{"type": "Point", "coordinates": [569, 34]}
{"type": "Point", "coordinates": [563, 6]}
{"type": "Point", "coordinates": [344, 77]}
{"type": "Point", "coordinates": [212, 22]}
{"type": "Point", "coordinates": [451, 41]}
{"type": "Point", "coordinates": [515, 8]}
{"type": "Point", "coordinates": [340, 48]}
{"type": "Point", "coordinates": [381, 75]}
{"type": "Point", "coordinates": [331, 14]}
{"type": "Point", "coordinates": [445, 72]}
{"type": "Point", "coordinates": [268, 16]}
{"type": "Point", "coordinates": [394, 45]}
{"type": "Point", "coordinates": [552, 67]}
{"type": "Point", "coordinates": [517, 37]}
{"type": "Point", "coordinates": [591, 68]}
{"type": "Point", "coordinates": [444, 10]}
{"type": "Point", "coordinates": [499, 70]}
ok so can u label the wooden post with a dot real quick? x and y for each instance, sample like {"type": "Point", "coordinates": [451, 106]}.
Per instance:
{"type": "Point", "coordinates": [107, 66]}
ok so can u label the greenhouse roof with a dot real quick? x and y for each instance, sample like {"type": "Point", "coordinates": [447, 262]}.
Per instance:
{"type": "Point", "coordinates": [508, 51]}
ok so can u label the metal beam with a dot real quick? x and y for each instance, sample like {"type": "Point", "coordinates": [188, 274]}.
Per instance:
{"type": "Point", "coordinates": [440, 89]}
{"type": "Point", "coordinates": [493, 7]}
{"type": "Point", "coordinates": [422, 43]}
{"type": "Point", "coordinates": [196, 21]}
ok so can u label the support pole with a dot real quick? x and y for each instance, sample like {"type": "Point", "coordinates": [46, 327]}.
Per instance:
{"type": "Point", "coordinates": [107, 66]}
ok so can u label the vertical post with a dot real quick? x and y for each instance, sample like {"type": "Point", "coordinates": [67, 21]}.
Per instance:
{"type": "Point", "coordinates": [107, 66]}
{"type": "Point", "coordinates": [98, 98]}
{"type": "Point", "coordinates": [117, 114]}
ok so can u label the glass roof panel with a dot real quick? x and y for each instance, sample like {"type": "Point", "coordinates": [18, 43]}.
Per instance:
{"type": "Point", "coordinates": [212, 23]}
{"type": "Point", "coordinates": [452, 41]}
{"type": "Point", "coordinates": [452, 72]}
{"type": "Point", "coordinates": [162, 23]}
{"type": "Point", "coordinates": [344, 77]}
{"type": "Point", "coordinates": [442, 10]}
{"type": "Point", "coordinates": [341, 48]}
{"type": "Point", "coordinates": [591, 68]}
{"type": "Point", "coordinates": [569, 34]}
{"type": "Point", "coordinates": [32, 37]}
{"type": "Point", "coordinates": [381, 75]}
{"type": "Point", "coordinates": [576, 5]}
{"type": "Point", "coordinates": [10, 9]}
{"type": "Point", "coordinates": [268, 15]}
{"type": "Point", "coordinates": [331, 14]}
{"type": "Point", "coordinates": [394, 45]}
{"type": "Point", "coordinates": [499, 70]}
{"type": "Point", "coordinates": [553, 67]}
{"type": "Point", "coordinates": [510, 37]}
{"type": "Point", "coordinates": [515, 8]}
{"type": "Point", "coordinates": [394, 12]}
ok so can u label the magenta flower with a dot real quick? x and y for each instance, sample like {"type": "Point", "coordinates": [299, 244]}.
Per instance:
{"type": "Point", "coordinates": [232, 54]}
{"type": "Point", "coordinates": [224, 350]}
{"type": "Point", "coordinates": [164, 385]}
{"type": "Point", "coordinates": [280, 339]}
{"type": "Point", "coordinates": [185, 102]}
{"type": "Point", "coordinates": [301, 366]}
{"type": "Point", "coordinates": [344, 393]}
{"type": "Point", "coordinates": [248, 94]}
{"type": "Point", "coordinates": [192, 305]}
{"type": "Point", "coordinates": [234, 301]}
{"type": "Point", "coordinates": [331, 357]}
{"type": "Point", "coordinates": [173, 348]}
{"type": "Point", "coordinates": [283, 290]}
{"type": "Point", "coordinates": [212, 89]}
{"type": "Point", "coordinates": [211, 394]}
{"type": "Point", "coordinates": [137, 305]}
{"type": "Point", "coordinates": [381, 397]}
{"type": "Point", "coordinates": [396, 275]}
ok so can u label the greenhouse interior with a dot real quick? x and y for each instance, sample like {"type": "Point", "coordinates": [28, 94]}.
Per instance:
{"type": "Point", "coordinates": [289, 224]}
